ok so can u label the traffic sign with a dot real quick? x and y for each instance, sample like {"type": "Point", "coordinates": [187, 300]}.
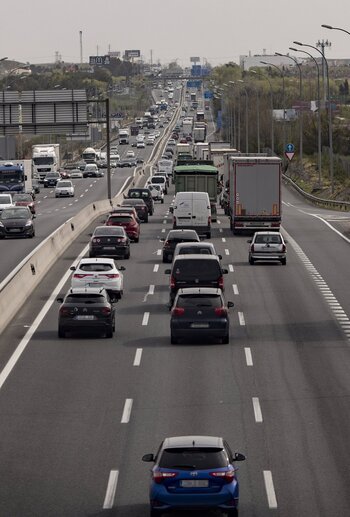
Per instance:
{"type": "Point", "coordinates": [99, 60]}
{"type": "Point", "coordinates": [289, 155]}
{"type": "Point", "coordinates": [289, 148]}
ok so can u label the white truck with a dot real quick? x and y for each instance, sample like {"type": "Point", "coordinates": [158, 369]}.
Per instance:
{"type": "Point", "coordinates": [124, 136]}
{"type": "Point", "coordinates": [187, 126]}
{"type": "Point", "coordinates": [254, 187]}
{"type": "Point", "coordinates": [199, 132]}
{"type": "Point", "coordinates": [45, 158]}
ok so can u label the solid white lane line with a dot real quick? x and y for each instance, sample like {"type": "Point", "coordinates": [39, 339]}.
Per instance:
{"type": "Point", "coordinates": [235, 289]}
{"type": "Point", "coordinates": [155, 268]}
{"type": "Point", "coordinates": [111, 489]}
{"type": "Point", "coordinates": [159, 252]}
{"type": "Point", "coordinates": [270, 490]}
{"type": "Point", "coordinates": [138, 355]}
{"type": "Point", "coordinates": [227, 252]}
{"type": "Point", "coordinates": [230, 268]}
{"type": "Point", "coordinates": [248, 356]}
{"type": "Point", "coordinates": [28, 335]}
{"type": "Point", "coordinates": [241, 318]}
{"type": "Point", "coordinates": [145, 318]}
{"type": "Point", "coordinates": [127, 411]}
{"type": "Point", "coordinates": [223, 239]}
{"type": "Point", "coordinates": [257, 410]}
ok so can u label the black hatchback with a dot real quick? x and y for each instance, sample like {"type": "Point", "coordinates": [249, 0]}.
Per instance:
{"type": "Point", "coordinates": [142, 193]}
{"type": "Point", "coordinates": [173, 238]}
{"type": "Point", "coordinates": [200, 312]}
{"type": "Point", "coordinates": [195, 271]}
{"type": "Point", "coordinates": [109, 241]}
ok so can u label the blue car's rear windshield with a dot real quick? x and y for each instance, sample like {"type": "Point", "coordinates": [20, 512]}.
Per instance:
{"type": "Point", "coordinates": [193, 458]}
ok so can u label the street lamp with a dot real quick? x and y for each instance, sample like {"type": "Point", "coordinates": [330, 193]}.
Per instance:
{"type": "Point", "coordinates": [335, 28]}
{"type": "Point", "coordinates": [330, 122]}
{"type": "Point", "coordinates": [319, 139]}
{"type": "Point", "coordinates": [246, 117]}
{"type": "Point", "coordinates": [257, 115]}
{"type": "Point", "coordinates": [234, 127]}
{"type": "Point", "coordinates": [271, 94]}
{"type": "Point", "coordinates": [300, 113]}
{"type": "Point", "coordinates": [283, 100]}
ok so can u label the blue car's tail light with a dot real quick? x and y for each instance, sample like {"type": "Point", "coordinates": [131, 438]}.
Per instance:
{"type": "Point", "coordinates": [159, 477]}
{"type": "Point", "coordinates": [227, 475]}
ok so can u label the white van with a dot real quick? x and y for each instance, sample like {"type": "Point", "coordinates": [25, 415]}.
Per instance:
{"type": "Point", "coordinates": [192, 211]}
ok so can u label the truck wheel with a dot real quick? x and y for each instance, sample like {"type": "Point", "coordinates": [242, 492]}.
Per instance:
{"type": "Point", "coordinates": [284, 261]}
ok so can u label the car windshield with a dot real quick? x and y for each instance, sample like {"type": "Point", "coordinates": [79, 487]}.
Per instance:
{"type": "Point", "coordinates": [199, 300]}
{"type": "Point", "coordinates": [268, 239]}
{"type": "Point", "coordinates": [133, 202]}
{"type": "Point", "coordinates": [95, 267]}
{"type": "Point", "coordinates": [5, 200]}
{"type": "Point", "coordinates": [201, 269]}
{"type": "Point", "coordinates": [22, 197]}
{"type": "Point", "coordinates": [193, 458]}
{"type": "Point", "coordinates": [15, 214]}
{"type": "Point", "coordinates": [64, 184]}
{"type": "Point", "coordinates": [186, 250]}
{"type": "Point", "coordinates": [85, 298]}
{"type": "Point", "coordinates": [120, 219]}
{"type": "Point", "coordinates": [108, 230]}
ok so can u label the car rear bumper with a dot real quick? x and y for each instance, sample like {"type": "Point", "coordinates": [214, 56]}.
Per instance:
{"type": "Point", "coordinates": [189, 226]}
{"type": "Point", "coordinates": [118, 251]}
{"type": "Point", "coordinates": [268, 256]}
{"type": "Point", "coordinates": [217, 328]}
{"type": "Point", "coordinates": [225, 499]}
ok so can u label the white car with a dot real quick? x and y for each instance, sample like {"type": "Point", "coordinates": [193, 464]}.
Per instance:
{"type": "Point", "coordinates": [64, 188]}
{"type": "Point", "coordinates": [157, 192]}
{"type": "Point", "coordinates": [267, 245]}
{"type": "Point", "coordinates": [114, 157]}
{"type": "Point", "coordinates": [76, 173]}
{"type": "Point", "coordinates": [130, 154]}
{"type": "Point", "coordinates": [6, 201]}
{"type": "Point", "coordinates": [140, 145]}
{"type": "Point", "coordinates": [99, 272]}
{"type": "Point", "coordinates": [171, 142]}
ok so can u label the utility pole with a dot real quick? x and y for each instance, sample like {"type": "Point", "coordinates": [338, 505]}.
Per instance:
{"type": "Point", "coordinates": [322, 45]}
{"type": "Point", "coordinates": [81, 46]}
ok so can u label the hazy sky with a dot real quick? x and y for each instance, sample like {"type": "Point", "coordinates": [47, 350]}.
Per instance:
{"type": "Point", "coordinates": [218, 30]}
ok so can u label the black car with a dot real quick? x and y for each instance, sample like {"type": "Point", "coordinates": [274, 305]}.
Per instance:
{"type": "Point", "coordinates": [51, 179]}
{"type": "Point", "coordinates": [195, 271]}
{"type": "Point", "coordinates": [142, 193]}
{"type": "Point", "coordinates": [17, 221]}
{"type": "Point", "coordinates": [200, 313]}
{"type": "Point", "coordinates": [173, 238]}
{"type": "Point", "coordinates": [140, 207]}
{"type": "Point", "coordinates": [109, 241]}
{"type": "Point", "coordinates": [86, 308]}
{"type": "Point", "coordinates": [126, 163]}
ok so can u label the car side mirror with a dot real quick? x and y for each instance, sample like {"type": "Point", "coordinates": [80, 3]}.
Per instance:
{"type": "Point", "coordinates": [34, 216]}
{"type": "Point", "coordinates": [238, 457]}
{"type": "Point", "coordinates": [167, 271]}
{"type": "Point", "coordinates": [230, 304]}
{"type": "Point", "coordinates": [220, 257]}
{"type": "Point", "coordinates": [90, 234]}
{"type": "Point", "coordinates": [72, 268]}
{"type": "Point", "coordinates": [59, 300]}
{"type": "Point", "coordinates": [148, 457]}
{"type": "Point", "coordinates": [249, 241]}
{"type": "Point", "coordinates": [225, 271]}
{"type": "Point", "coordinates": [161, 240]}
{"type": "Point", "coordinates": [121, 268]}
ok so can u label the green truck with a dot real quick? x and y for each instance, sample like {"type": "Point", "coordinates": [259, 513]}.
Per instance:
{"type": "Point", "coordinates": [198, 178]}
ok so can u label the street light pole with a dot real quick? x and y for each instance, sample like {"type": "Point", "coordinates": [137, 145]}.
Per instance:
{"type": "Point", "coordinates": [246, 117]}
{"type": "Point", "coordinates": [271, 95]}
{"type": "Point", "coordinates": [283, 101]}
{"type": "Point", "coordinates": [300, 112]}
{"type": "Point", "coordinates": [319, 138]}
{"type": "Point", "coordinates": [257, 115]}
{"type": "Point", "coordinates": [330, 122]}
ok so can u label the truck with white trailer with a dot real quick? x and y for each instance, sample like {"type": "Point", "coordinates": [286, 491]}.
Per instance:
{"type": "Point", "coordinates": [254, 187]}
{"type": "Point", "coordinates": [45, 158]}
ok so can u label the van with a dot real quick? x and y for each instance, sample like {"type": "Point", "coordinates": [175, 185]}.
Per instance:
{"type": "Point", "coordinates": [195, 271]}
{"type": "Point", "coordinates": [192, 210]}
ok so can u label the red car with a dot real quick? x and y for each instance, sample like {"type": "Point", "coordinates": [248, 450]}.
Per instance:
{"type": "Point", "coordinates": [23, 199]}
{"type": "Point", "coordinates": [129, 223]}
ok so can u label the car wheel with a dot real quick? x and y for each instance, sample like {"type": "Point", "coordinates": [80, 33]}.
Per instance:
{"type": "Point", "coordinates": [173, 340]}
{"type": "Point", "coordinates": [154, 513]}
{"type": "Point", "coordinates": [208, 235]}
{"type": "Point", "coordinates": [232, 513]}
{"type": "Point", "coordinates": [61, 332]}
{"type": "Point", "coordinates": [127, 255]}
{"type": "Point", "coordinates": [226, 339]}
{"type": "Point", "coordinates": [137, 239]}
{"type": "Point", "coordinates": [109, 332]}
{"type": "Point", "coordinates": [283, 261]}
{"type": "Point", "coordinates": [162, 201]}
{"type": "Point", "coordinates": [251, 261]}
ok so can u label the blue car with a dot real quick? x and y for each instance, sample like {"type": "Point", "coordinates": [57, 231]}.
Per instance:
{"type": "Point", "coordinates": [192, 473]}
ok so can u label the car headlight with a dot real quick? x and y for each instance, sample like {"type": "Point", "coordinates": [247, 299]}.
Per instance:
{"type": "Point", "coordinates": [1, 225]}
{"type": "Point", "coordinates": [29, 223]}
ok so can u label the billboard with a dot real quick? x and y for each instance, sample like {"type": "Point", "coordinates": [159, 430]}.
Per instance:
{"type": "Point", "coordinates": [132, 53]}
{"type": "Point", "coordinates": [99, 60]}
{"type": "Point", "coordinates": [194, 59]}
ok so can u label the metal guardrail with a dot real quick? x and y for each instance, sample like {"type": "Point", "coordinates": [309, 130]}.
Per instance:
{"type": "Point", "coordinates": [330, 203]}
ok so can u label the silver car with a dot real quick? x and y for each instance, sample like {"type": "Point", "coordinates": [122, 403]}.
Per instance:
{"type": "Point", "coordinates": [267, 246]}
{"type": "Point", "coordinates": [64, 188]}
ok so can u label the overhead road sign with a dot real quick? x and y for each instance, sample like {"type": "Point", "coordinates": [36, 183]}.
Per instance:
{"type": "Point", "coordinates": [195, 59]}
{"type": "Point", "coordinates": [194, 84]}
{"type": "Point", "coordinates": [43, 112]}
{"type": "Point", "coordinates": [208, 94]}
{"type": "Point", "coordinates": [99, 60]}
{"type": "Point", "coordinates": [132, 53]}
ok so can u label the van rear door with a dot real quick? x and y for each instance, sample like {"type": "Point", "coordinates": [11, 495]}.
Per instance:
{"type": "Point", "coordinates": [201, 211]}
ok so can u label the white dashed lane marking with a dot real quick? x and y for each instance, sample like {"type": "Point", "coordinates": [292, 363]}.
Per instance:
{"type": "Point", "coordinates": [257, 410]}
{"type": "Point", "coordinates": [138, 355]}
{"type": "Point", "coordinates": [270, 489]}
{"type": "Point", "coordinates": [248, 356]}
{"type": "Point", "coordinates": [111, 489]}
{"type": "Point", "coordinates": [145, 318]}
{"type": "Point", "coordinates": [127, 411]}
{"type": "Point", "coordinates": [155, 268]}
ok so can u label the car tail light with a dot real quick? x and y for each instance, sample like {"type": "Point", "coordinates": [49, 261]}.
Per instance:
{"type": "Point", "coordinates": [159, 477]}
{"type": "Point", "coordinates": [226, 475]}
{"type": "Point", "coordinates": [96, 240]}
{"type": "Point", "coordinates": [221, 311]}
{"type": "Point", "coordinates": [112, 275]}
{"type": "Point", "coordinates": [221, 282]}
{"type": "Point", "coordinates": [275, 225]}
{"type": "Point", "coordinates": [252, 248]}
{"type": "Point", "coordinates": [81, 275]}
{"type": "Point", "coordinates": [209, 220]}
{"type": "Point", "coordinates": [64, 311]}
{"type": "Point", "coordinates": [174, 221]}
{"type": "Point", "coordinates": [283, 248]}
{"type": "Point", "coordinates": [106, 310]}
{"type": "Point", "coordinates": [123, 239]}
{"type": "Point", "coordinates": [178, 311]}
{"type": "Point", "coordinates": [172, 282]}
{"type": "Point", "coordinates": [166, 244]}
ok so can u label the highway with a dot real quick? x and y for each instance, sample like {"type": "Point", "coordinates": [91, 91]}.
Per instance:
{"type": "Point", "coordinates": [78, 414]}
